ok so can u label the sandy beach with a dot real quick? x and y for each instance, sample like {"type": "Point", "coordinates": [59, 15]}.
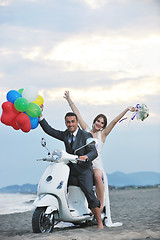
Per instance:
{"type": "Point", "coordinates": [138, 209]}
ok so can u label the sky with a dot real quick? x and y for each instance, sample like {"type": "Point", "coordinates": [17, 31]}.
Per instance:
{"type": "Point", "coordinates": [106, 53]}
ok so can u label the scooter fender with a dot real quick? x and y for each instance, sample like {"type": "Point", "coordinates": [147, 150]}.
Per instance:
{"type": "Point", "coordinates": [47, 200]}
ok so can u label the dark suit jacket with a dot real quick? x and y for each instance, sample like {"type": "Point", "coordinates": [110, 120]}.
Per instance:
{"type": "Point", "coordinates": [80, 141]}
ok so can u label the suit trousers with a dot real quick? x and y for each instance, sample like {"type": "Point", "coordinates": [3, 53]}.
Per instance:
{"type": "Point", "coordinates": [85, 181]}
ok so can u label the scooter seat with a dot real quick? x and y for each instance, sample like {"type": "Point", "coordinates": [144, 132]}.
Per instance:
{"type": "Point", "coordinates": [73, 181]}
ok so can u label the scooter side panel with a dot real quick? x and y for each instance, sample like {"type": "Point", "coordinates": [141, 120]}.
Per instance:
{"type": "Point", "coordinates": [54, 179]}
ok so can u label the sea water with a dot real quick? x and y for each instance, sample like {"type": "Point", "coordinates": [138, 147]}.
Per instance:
{"type": "Point", "coordinates": [16, 202]}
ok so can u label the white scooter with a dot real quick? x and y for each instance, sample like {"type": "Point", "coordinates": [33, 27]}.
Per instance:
{"type": "Point", "coordinates": [56, 200]}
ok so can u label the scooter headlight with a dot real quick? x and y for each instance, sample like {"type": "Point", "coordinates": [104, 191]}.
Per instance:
{"type": "Point", "coordinates": [57, 154]}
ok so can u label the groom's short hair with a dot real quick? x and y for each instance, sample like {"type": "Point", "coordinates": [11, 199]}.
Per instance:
{"type": "Point", "coordinates": [70, 114]}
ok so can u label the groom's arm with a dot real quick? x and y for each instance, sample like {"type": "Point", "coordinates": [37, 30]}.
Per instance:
{"type": "Point", "coordinates": [50, 130]}
{"type": "Point", "coordinates": [90, 150]}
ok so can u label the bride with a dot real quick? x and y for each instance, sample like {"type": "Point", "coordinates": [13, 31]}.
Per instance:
{"type": "Point", "coordinates": [99, 131]}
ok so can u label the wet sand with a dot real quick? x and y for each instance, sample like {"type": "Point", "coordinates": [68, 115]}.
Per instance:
{"type": "Point", "coordinates": [138, 209]}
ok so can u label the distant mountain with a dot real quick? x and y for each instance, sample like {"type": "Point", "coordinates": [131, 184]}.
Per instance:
{"type": "Point", "coordinates": [26, 188]}
{"type": "Point", "coordinates": [117, 179]}
{"type": "Point", "coordinates": [120, 179]}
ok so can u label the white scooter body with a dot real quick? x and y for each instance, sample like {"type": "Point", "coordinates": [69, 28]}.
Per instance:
{"type": "Point", "coordinates": [70, 203]}
{"type": "Point", "coordinates": [67, 204]}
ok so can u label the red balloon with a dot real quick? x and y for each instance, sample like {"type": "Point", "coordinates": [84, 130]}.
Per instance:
{"type": "Point", "coordinates": [14, 124]}
{"type": "Point", "coordinates": [23, 122]}
{"type": "Point", "coordinates": [9, 113]}
{"type": "Point", "coordinates": [11, 117]}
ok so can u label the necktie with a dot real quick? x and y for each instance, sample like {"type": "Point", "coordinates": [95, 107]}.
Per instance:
{"type": "Point", "coordinates": [71, 140]}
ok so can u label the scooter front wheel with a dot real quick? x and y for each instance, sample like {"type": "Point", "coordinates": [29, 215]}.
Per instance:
{"type": "Point", "coordinates": [41, 222]}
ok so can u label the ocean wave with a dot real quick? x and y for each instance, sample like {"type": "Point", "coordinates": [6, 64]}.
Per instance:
{"type": "Point", "coordinates": [16, 202]}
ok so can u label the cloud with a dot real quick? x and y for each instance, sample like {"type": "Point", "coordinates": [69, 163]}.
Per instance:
{"type": "Point", "coordinates": [4, 3]}
{"type": "Point", "coordinates": [96, 4]}
{"type": "Point", "coordinates": [124, 61]}
{"type": "Point", "coordinates": [130, 91]}
{"type": "Point", "coordinates": [118, 93]}
{"type": "Point", "coordinates": [126, 65]}
{"type": "Point", "coordinates": [109, 52]}
{"type": "Point", "coordinates": [126, 52]}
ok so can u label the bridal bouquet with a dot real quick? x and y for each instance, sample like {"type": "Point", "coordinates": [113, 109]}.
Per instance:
{"type": "Point", "coordinates": [142, 112]}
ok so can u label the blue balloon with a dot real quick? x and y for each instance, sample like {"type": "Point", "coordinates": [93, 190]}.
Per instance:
{"type": "Point", "coordinates": [12, 95]}
{"type": "Point", "coordinates": [34, 122]}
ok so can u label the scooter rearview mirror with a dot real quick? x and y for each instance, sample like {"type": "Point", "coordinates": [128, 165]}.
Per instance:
{"type": "Point", "coordinates": [43, 142]}
{"type": "Point", "coordinates": [90, 141]}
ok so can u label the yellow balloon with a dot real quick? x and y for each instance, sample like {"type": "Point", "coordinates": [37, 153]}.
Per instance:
{"type": "Point", "coordinates": [39, 101]}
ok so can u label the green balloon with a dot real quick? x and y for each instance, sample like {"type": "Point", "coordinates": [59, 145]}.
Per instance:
{"type": "Point", "coordinates": [33, 110]}
{"type": "Point", "coordinates": [21, 90]}
{"type": "Point", "coordinates": [21, 104]}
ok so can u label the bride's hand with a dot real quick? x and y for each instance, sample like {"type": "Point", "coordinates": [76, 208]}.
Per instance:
{"type": "Point", "coordinates": [132, 109]}
{"type": "Point", "coordinates": [66, 95]}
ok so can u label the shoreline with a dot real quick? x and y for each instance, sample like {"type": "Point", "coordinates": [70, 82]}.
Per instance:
{"type": "Point", "coordinates": [139, 211]}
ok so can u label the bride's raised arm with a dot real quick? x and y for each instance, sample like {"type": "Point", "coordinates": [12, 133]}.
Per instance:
{"type": "Point", "coordinates": [82, 123]}
{"type": "Point", "coordinates": [110, 126]}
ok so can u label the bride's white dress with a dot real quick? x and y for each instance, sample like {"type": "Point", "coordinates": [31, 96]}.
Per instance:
{"type": "Point", "coordinates": [97, 163]}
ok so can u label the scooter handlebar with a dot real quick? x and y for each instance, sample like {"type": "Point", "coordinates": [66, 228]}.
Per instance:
{"type": "Point", "coordinates": [48, 159]}
{"type": "Point", "coordinates": [61, 156]}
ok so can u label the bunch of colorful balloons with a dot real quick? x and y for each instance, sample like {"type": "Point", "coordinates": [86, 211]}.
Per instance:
{"type": "Point", "coordinates": [22, 109]}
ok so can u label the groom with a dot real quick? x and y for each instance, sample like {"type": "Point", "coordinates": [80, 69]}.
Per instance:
{"type": "Point", "coordinates": [74, 138]}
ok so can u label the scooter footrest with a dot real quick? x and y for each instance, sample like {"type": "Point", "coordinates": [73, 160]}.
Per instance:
{"type": "Point", "coordinates": [87, 214]}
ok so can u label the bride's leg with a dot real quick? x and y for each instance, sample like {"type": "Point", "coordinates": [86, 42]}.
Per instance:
{"type": "Point", "coordinates": [99, 186]}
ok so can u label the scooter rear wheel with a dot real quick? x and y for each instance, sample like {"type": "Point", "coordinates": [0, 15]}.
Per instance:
{"type": "Point", "coordinates": [41, 222]}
